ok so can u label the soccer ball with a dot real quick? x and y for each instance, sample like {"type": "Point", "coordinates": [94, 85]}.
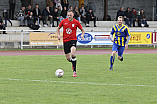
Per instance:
{"type": "Point", "coordinates": [59, 73]}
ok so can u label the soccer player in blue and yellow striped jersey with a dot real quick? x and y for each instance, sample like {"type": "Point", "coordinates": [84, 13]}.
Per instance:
{"type": "Point", "coordinates": [120, 36]}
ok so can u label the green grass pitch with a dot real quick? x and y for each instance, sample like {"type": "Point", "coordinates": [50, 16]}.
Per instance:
{"type": "Point", "coordinates": [32, 80]}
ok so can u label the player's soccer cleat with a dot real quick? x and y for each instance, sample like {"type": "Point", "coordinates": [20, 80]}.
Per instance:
{"type": "Point", "coordinates": [74, 74]}
{"type": "Point", "coordinates": [121, 59]}
{"type": "Point", "coordinates": [111, 69]}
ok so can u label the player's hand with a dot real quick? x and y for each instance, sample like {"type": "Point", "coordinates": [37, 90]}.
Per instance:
{"type": "Point", "coordinates": [126, 46]}
{"type": "Point", "coordinates": [112, 40]}
{"type": "Point", "coordinates": [82, 37]}
{"type": "Point", "coordinates": [59, 37]}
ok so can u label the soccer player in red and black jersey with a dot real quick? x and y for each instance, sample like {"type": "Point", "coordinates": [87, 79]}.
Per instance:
{"type": "Point", "coordinates": [69, 38]}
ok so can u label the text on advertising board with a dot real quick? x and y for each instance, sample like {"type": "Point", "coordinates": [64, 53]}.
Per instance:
{"type": "Point", "coordinates": [87, 38]}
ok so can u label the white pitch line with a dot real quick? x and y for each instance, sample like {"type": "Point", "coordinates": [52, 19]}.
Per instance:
{"type": "Point", "coordinates": [88, 83]}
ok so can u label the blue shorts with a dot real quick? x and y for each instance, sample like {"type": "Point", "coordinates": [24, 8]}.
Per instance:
{"type": "Point", "coordinates": [119, 49]}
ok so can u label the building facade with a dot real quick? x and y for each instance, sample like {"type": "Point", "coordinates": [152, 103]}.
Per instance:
{"type": "Point", "coordinates": [113, 6]}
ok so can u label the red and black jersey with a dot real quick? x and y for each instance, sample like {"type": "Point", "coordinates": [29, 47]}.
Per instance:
{"type": "Point", "coordinates": [69, 29]}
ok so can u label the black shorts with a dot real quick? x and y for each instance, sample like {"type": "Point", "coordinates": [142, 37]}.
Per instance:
{"type": "Point", "coordinates": [68, 45]}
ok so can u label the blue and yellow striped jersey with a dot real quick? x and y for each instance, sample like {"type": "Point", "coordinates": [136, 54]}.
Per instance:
{"type": "Point", "coordinates": [120, 34]}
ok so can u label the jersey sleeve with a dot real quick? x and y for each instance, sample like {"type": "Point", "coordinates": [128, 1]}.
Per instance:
{"type": "Point", "coordinates": [79, 25]}
{"type": "Point", "coordinates": [112, 31]}
{"type": "Point", "coordinates": [61, 24]}
{"type": "Point", "coordinates": [127, 31]}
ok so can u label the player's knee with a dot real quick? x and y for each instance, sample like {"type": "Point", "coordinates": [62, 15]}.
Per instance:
{"type": "Point", "coordinates": [68, 59]}
{"type": "Point", "coordinates": [119, 57]}
{"type": "Point", "coordinates": [73, 55]}
{"type": "Point", "coordinates": [114, 53]}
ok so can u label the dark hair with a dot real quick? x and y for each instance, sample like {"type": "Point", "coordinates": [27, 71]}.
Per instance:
{"type": "Point", "coordinates": [128, 8]}
{"type": "Point", "coordinates": [121, 17]}
{"type": "Point", "coordinates": [121, 7]}
{"type": "Point", "coordinates": [36, 4]}
{"type": "Point", "coordinates": [70, 11]}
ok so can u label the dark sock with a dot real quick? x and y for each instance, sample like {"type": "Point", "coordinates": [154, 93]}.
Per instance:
{"type": "Point", "coordinates": [111, 61]}
{"type": "Point", "coordinates": [74, 63]}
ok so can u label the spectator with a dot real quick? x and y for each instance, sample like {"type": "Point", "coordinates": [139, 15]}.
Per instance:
{"type": "Point", "coordinates": [58, 3]}
{"type": "Point", "coordinates": [134, 16]}
{"type": "Point", "coordinates": [143, 16]}
{"type": "Point", "coordinates": [120, 13]}
{"type": "Point", "coordinates": [77, 14]}
{"type": "Point", "coordinates": [46, 15]}
{"type": "Point", "coordinates": [12, 4]}
{"type": "Point", "coordinates": [65, 3]}
{"type": "Point", "coordinates": [71, 8]}
{"type": "Point", "coordinates": [59, 13]}
{"type": "Point", "coordinates": [56, 16]}
{"type": "Point", "coordinates": [6, 17]}
{"type": "Point", "coordinates": [83, 16]}
{"type": "Point", "coordinates": [31, 22]}
{"type": "Point", "coordinates": [20, 16]}
{"type": "Point", "coordinates": [28, 10]}
{"type": "Point", "coordinates": [63, 14]}
{"type": "Point", "coordinates": [37, 14]}
{"type": "Point", "coordinates": [2, 26]}
{"type": "Point", "coordinates": [59, 10]}
{"type": "Point", "coordinates": [108, 18]}
{"type": "Point", "coordinates": [129, 19]}
{"type": "Point", "coordinates": [139, 19]}
{"type": "Point", "coordinates": [50, 4]}
{"type": "Point", "coordinates": [30, 19]}
{"type": "Point", "coordinates": [90, 17]}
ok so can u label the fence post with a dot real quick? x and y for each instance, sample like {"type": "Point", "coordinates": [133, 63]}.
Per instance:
{"type": "Point", "coordinates": [21, 39]}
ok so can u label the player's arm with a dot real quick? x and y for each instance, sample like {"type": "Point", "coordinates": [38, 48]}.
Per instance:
{"type": "Point", "coordinates": [83, 32]}
{"type": "Point", "coordinates": [128, 38]}
{"type": "Point", "coordinates": [111, 34]}
{"type": "Point", "coordinates": [58, 32]}
{"type": "Point", "coordinates": [127, 41]}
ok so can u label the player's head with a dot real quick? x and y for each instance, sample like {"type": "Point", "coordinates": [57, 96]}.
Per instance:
{"type": "Point", "coordinates": [121, 8]}
{"type": "Point", "coordinates": [23, 8]}
{"type": "Point", "coordinates": [36, 5]}
{"type": "Point", "coordinates": [90, 10]}
{"type": "Point", "coordinates": [65, 8]}
{"type": "Point", "coordinates": [120, 20]}
{"type": "Point", "coordinates": [47, 8]}
{"type": "Point", "coordinates": [70, 15]}
{"type": "Point", "coordinates": [142, 11]}
{"type": "Point", "coordinates": [133, 9]}
{"type": "Point", "coordinates": [29, 6]}
{"type": "Point", "coordinates": [59, 7]}
{"type": "Point", "coordinates": [128, 9]}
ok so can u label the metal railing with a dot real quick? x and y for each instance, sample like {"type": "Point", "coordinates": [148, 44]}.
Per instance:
{"type": "Point", "coordinates": [22, 32]}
